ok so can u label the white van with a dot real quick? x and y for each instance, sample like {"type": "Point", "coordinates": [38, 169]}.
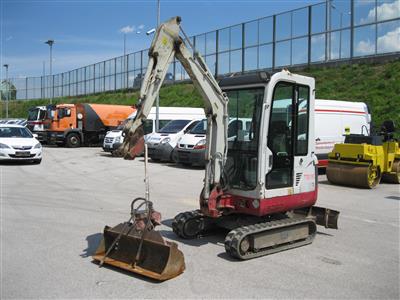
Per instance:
{"type": "Point", "coordinates": [333, 119]}
{"type": "Point", "coordinates": [114, 138]}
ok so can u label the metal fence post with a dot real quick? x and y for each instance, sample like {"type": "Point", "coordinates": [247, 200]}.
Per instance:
{"type": "Point", "coordinates": [84, 80]}
{"type": "Point", "coordinates": [104, 76]}
{"type": "Point", "coordinates": [309, 33]}
{"type": "Point", "coordinates": [216, 52]}
{"type": "Point", "coordinates": [327, 4]}
{"type": "Point", "coordinates": [352, 29]}
{"type": "Point", "coordinates": [376, 27]}
{"type": "Point", "coordinates": [127, 71]}
{"type": "Point", "coordinates": [273, 41]}
{"type": "Point", "coordinates": [115, 74]}
{"type": "Point", "coordinates": [243, 45]}
{"type": "Point", "coordinates": [52, 87]}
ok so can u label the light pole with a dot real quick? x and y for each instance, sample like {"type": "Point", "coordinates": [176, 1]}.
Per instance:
{"type": "Point", "coordinates": [8, 89]}
{"type": "Point", "coordinates": [340, 29]}
{"type": "Point", "coordinates": [50, 43]}
{"type": "Point", "coordinates": [124, 44]}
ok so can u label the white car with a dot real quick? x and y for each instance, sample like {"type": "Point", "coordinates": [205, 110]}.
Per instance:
{"type": "Point", "coordinates": [17, 143]}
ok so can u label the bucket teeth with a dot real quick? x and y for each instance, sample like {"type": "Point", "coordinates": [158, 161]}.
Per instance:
{"type": "Point", "coordinates": [158, 259]}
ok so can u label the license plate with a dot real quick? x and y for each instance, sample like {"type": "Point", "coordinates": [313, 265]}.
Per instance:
{"type": "Point", "coordinates": [22, 153]}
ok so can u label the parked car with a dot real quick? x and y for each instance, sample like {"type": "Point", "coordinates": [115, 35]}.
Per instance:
{"type": "Point", "coordinates": [190, 149]}
{"type": "Point", "coordinates": [114, 138]}
{"type": "Point", "coordinates": [22, 122]}
{"type": "Point", "coordinates": [17, 143]}
{"type": "Point", "coordinates": [161, 144]}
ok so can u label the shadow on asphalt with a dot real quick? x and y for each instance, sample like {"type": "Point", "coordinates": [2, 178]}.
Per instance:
{"type": "Point", "coordinates": [93, 242]}
{"type": "Point", "coordinates": [216, 236]}
{"type": "Point", "coordinates": [324, 182]}
{"type": "Point", "coordinates": [127, 273]}
{"type": "Point", "coordinates": [324, 233]}
{"type": "Point", "coordinates": [18, 163]}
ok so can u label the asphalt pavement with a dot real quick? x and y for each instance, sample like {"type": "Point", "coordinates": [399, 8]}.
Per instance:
{"type": "Point", "coordinates": [52, 216]}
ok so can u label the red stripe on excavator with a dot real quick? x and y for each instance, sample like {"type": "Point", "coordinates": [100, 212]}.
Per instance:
{"type": "Point", "coordinates": [344, 111]}
{"type": "Point", "coordinates": [275, 204]}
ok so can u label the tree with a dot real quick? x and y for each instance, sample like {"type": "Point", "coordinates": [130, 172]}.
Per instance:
{"type": "Point", "coordinates": [8, 86]}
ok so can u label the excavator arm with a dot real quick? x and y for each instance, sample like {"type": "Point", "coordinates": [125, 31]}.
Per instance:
{"type": "Point", "coordinates": [166, 45]}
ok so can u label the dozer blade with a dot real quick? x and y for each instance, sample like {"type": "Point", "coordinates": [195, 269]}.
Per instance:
{"type": "Point", "coordinates": [363, 176]}
{"type": "Point", "coordinates": [158, 259]}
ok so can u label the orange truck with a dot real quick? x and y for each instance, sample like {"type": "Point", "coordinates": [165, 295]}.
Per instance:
{"type": "Point", "coordinates": [74, 125]}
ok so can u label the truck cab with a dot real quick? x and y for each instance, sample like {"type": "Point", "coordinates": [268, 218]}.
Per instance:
{"type": "Point", "coordinates": [84, 123]}
{"type": "Point", "coordinates": [36, 121]}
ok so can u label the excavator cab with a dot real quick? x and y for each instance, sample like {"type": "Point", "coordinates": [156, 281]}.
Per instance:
{"type": "Point", "coordinates": [272, 155]}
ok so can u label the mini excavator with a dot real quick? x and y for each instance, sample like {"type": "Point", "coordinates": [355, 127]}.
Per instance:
{"type": "Point", "coordinates": [261, 184]}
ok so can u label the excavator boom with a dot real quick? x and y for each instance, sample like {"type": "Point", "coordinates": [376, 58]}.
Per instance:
{"type": "Point", "coordinates": [166, 45]}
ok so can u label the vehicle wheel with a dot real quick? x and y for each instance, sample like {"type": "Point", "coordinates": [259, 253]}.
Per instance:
{"type": "Point", "coordinates": [393, 177]}
{"type": "Point", "coordinates": [373, 176]}
{"type": "Point", "coordinates": [73, 140]}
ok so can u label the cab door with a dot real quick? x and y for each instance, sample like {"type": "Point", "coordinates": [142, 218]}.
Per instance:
{"type": "Point", "coordinates": [280, 137]}
{"type": "Point", "coordinates": [288, 138]}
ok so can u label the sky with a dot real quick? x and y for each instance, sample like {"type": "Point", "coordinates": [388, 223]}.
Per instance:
{"type": "Point", "coordinates": [90, 31]}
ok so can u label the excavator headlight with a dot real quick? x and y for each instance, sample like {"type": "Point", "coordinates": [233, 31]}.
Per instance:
{"type": "Point", "coordinates": [256, 203]}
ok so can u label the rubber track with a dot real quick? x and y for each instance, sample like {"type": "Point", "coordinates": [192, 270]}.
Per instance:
{"type": "Point", "coordinates": [234, 237]}
{"type": "Point", "coordinates": [180, 220]}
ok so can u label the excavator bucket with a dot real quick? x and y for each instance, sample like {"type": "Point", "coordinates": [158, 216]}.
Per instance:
{"type": "Point", "coordinates": [148, 255]}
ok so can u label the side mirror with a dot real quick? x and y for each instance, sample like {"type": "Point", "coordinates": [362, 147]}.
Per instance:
{"type": "Point", "coordinates": [35, 135]}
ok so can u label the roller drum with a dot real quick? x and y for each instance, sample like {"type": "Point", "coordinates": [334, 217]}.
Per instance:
{"type": "Point", "coordinates": [362, 176]}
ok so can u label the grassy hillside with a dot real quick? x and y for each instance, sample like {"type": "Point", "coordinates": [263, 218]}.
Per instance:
{"type": "Point", "coordinates": [376, 84]}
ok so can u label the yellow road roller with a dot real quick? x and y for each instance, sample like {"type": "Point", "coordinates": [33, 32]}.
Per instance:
{"type": "Point", "coordinates": [363, 161]}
